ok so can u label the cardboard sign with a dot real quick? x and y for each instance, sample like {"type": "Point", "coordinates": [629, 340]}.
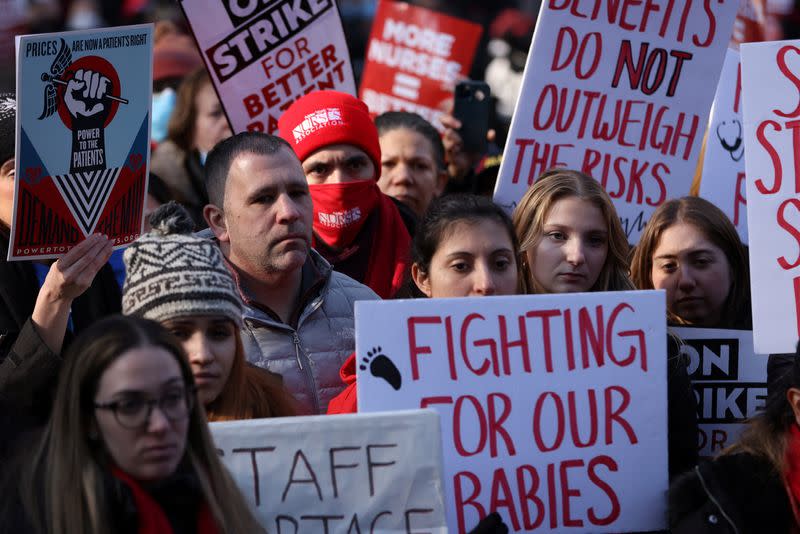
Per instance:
{"type": "Point", "coordinates": [553, 407]}
{"type": "Point", "coordinates": [265, 55]}
{"type": "Point", "coordinates": [414, 59]}
{"type": "Point", "coordinates": [723, 180]}
{"type": "Point", "coordinates": [376, 473]}
{"type": "Point", "coordinates": [729, 381]}
{"type": "Point", "coordinates": [771, 94]}
{"type": "Point", "coordinates": [621, 92]}
{"type": "Point", "coordinates": [83, 138]}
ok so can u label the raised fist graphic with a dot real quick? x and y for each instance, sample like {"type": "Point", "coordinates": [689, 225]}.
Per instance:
{"type": "Point", "coordinates": [85, 93]}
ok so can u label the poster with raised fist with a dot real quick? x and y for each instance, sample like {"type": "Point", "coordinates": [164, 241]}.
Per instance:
{"type": "Point", "coordinates": [82, 139]}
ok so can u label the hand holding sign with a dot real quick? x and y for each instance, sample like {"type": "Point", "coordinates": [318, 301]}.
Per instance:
{"type": "Point", "coordinates": [88, 86]}
{"type": "Point", "coordinates": [67, 279]}
{"type": "Point", "coordinates": [71, 275]}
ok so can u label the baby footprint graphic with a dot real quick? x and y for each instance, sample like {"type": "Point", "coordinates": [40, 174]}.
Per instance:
{"type": "Point", "coordinates": [382, 367]}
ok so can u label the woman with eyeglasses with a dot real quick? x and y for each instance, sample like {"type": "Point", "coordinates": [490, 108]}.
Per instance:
{"type": "Point", "coordinates": [127, 448]}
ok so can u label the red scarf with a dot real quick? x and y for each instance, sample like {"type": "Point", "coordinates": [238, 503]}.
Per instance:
{"type": "Point", "coordinates": [389, 257]}
{"type": "Point", "coordinates": [152, 519]}
{"type": "Point", "coordinates": [340, 209]}
{"type": "Point", "coordinates": [791, 475]}
{"type": "Point", "coordinates": [389, 253]}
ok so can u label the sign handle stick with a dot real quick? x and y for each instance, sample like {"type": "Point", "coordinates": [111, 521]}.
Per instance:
{"type": "Point", "coordinates": [47, 78]}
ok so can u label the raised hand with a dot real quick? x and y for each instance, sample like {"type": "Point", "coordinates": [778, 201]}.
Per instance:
{"type": "Point", "coordinates": [66, 280]}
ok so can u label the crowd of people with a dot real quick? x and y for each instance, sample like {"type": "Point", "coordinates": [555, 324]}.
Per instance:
{"type": "Point", "coordinates": [238, 303]}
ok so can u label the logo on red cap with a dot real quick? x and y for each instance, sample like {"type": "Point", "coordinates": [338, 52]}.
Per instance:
{"type": "Point", "coordinates": [316, 121]}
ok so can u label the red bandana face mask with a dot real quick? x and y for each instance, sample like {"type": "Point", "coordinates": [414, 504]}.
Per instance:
{"type": "Point", "coordinates": [341, 209]}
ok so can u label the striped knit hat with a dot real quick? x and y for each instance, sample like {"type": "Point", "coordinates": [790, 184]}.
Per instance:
{"type": "Point", "coordinates": [172, 273]}
{"type": "Point", "coordinates": [8, 125]}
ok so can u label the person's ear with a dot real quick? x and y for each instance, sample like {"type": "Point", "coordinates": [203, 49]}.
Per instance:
{"type": "Point", "coordinates": [793, 397]}
{"type": "Point", "coordinates": [215, 217]}
{"type": "Point", "coordinates": [421, 279]}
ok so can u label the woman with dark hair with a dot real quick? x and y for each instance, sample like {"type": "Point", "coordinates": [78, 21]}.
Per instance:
{"type": "Point", "coordinates": [691, 249]}
{"type": "Point", "coordinates": [465, 246]}
{"type": "Point", "coordinates": [571, 241]}
{"type": "Point", "coordinates": [412, 159]}
{"type": "Point", "coordinates": [196, 125]}
{"type": "Point", "coordinates": [753, 486]}
{"type": "Point", "coordinates": [127, 447]}
{"type": "Point", "coordinates": [181, 281]}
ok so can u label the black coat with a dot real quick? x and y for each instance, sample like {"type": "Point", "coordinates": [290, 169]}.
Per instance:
{"type": "Point", "coordinates": [681, 412]}
{"type": "Point", "coordinates": [28, 369]}
{"type": "Point", "coordinates": [738, 493]}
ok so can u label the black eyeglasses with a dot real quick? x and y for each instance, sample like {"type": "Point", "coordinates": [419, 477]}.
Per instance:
{"type": "Point", "coordinates": [135, 412]}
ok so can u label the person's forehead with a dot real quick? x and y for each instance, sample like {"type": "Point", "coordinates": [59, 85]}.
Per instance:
{"type": "Point", "coordinates": [401, 139]}
{"type": "Point", "coordinates": [140, 369]}
{"type": "Point", "coordinates": [333, 152]}
{"type": "Point", "coordinates": [684, 238]}
{"type": "Point", "coordinates": [253, 171]}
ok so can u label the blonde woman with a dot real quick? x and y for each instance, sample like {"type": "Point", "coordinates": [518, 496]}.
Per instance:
{"type": "Point", "coordinates": [570, 236]}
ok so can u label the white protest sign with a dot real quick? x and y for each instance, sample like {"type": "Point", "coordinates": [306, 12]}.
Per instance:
{"type": "Point", "coordinates": [553, 407]}
{"type": "Point", "coordinates": [729, 381]}
{"type": "Point", "coordinates": [620, 91]}
{"type": "Point", "coordinates": [723, 181]}
{"type": "Point", "coordinates": [771, 96]}
{"type": "Point", "coordinates": [265, 55]}
{"type": "Point", "coordinates": [351, 473]}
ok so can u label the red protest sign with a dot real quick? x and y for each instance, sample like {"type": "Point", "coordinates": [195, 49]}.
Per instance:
{"type": "Point", "coordinates": [414, 59]}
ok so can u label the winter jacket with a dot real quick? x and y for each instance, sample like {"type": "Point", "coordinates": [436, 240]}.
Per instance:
{"type": "Point", "coordinates": [736, 494]}
{"type": "Point", "coordinates": [309, 353]}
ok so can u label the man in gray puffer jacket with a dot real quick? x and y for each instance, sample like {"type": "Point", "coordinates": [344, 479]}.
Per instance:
{"type": "Point", "coordinates": [298, 317]}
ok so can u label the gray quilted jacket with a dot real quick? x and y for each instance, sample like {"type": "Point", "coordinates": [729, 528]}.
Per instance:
{"type": "Point", "coordinates": [310, 357]}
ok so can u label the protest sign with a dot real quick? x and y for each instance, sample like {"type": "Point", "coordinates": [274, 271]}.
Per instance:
{"type": "Point", "coordinates": [83, 138]}
{"type": "Point", "coordinates": [729, 381]}
{"type": "Point", "coordinates": [723, 180]}
{"type": "Point", "coordinates": [262, 56]}
{"type": "Point", "coordinates": [376, 473]}
{"type": "Point", "coordinates": [553, 407]}
{"type": "Point", "coordinates": [621, 92]}
{"type": "Point", "coordinates": [771, 98]}
{"type": "Point", "coordinates": [414, 59]}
